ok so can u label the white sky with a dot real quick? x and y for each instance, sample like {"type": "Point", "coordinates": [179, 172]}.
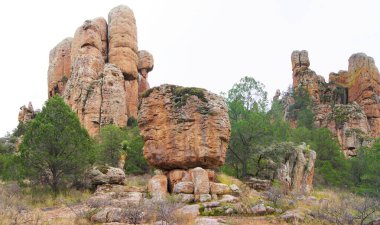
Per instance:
{"type": "Point", "coordinates": [202, 43]}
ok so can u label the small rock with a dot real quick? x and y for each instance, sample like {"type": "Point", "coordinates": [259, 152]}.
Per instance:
{"type": "Point", "coordinates": [234, 188]}
{"type": "Point", "coordinates": [219, 189]}
{"type": "Point", "coordinates": [270, 209]}
{"type": "Point", "coordinates": [259, 209]}
{"type": "Point", "coordinates": [184, 187]}
{"type": "Point", "coordinates": [228, 198]}
{"type": "Point", "coordinates": [211, 204]}
{"type": "Point", "coordinates": [229, 211]}
{"type": "Point", "coordinates": [207, 221]}
{"type": "Point", "coordinates": [189, 210]}
{"type": "Point", "coordinates": [293, 216]}
{"type": "Point", "coordinates": [185, 198]}
{"type": "Point", "coordinates": [204, 197]}
{"type": "Point", "coordinates": [99, 201]}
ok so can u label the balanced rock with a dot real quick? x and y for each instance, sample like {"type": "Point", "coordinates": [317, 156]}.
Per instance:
{"type": "Point", "coordinates": [59, 67]}
{"type": "Point", "coordinates": [184, 127]}
{"type": "Point", "coordinates": [145, 65]}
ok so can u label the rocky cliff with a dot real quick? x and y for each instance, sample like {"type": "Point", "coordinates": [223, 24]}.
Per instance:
{"type": "Point", "coordinates": [348, 105]}
{"type": "Point", "coordinates": [100, 72]}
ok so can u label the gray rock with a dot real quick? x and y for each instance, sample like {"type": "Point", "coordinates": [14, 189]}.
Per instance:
{"type": "Point", "coordinates": [229, 199]}
{"type": "Point", "coordinates": [211, 204]}
{"type": "Point", "coordinates": [185, 198]}
{"type": "Point", "coordinates": [259, 209]}
{"type": "Point", "coordinates": [204, 197]}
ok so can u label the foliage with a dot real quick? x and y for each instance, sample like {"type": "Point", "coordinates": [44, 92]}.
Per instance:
{"type": "Point", "coordinates": [301, 110]}
{"type": "Point", "coordinates": [110, 148]}
{"type": "Point", "coordinates": [250, 93]}
{"type": "Point", "coordinates": [114, 141]}
{"type": "Point", "coordinates": [55, 145]}
{"type": "Point", "coordinates": [366, 170]}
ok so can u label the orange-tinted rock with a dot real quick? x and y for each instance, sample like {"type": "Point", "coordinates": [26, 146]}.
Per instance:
{"type": "Point", "coordinates": [59, 67]}
{"type": "Point", "coordinates": [132, 97]}
{"type": "Point", "coordinates": [102, 24]}
{"type": "Point", "coordinates": [83, 90]}
{"type": "Point", "coordinates": [122, 37]}
{"type": "Point", "coordinates": [113, 109]}
{"type": "Point", "coordinates": [335, 102]}
{"type": "Point", "coordinates": [305, 77]}
{"type": "Point", "coordinates": [145, 65]}
{"type": "Point", "coordinates": [158, 187]}
{"type": "Point", "coordinates": [219, 189]}
{"type": "Point", "coordinates": [87, 35]}
{"type": "Point", "coordinates": [184, 127]}
{"type": "Point", "coordinates": [200, 180]}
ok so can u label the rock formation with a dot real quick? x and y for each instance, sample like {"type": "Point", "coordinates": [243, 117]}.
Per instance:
{"type": "Point", "coordinates": [184, 127]}
{"type": "Point", "coordinates": [97, 71]}
{"type": "Point", "coordinates": [59, 67]}
{"type": "Point", "coordinates": [26, 113]}
{"type": "Point", "coordinates": [186, 133]}
{"type": "Point", "coordinates": [348, 105]}
{"type": "Point", "coordinates": [296, 173]}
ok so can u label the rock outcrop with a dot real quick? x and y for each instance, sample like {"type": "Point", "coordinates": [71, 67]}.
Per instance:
{"type": "Point", "coordinates": [184, 127]}
{"type": "Point", "coordinates": [100, 72]}
{"type": "Point", "coordinates": [296, 173]}
{"type": "Point", "coordinates": [348, 105]}
{"type": "Point", "coordinates": [26, 113]}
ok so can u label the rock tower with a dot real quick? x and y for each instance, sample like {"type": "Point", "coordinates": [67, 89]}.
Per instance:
{"type": "Point", "coordinates": [100, 72]}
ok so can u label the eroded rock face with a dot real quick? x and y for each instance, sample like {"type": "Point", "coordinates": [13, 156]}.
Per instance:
{"type": "Point", "coordinates": [59, 67]}
{"type": "Point", "coordinates": [296, 173]}
{"type": "Point", "coordinates": [122, 35]}
{"type": "Point", "coordinates": [184, 127]}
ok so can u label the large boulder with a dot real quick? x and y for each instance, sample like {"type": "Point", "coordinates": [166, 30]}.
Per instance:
{"type": "Point", "coordinates": [184, 127]}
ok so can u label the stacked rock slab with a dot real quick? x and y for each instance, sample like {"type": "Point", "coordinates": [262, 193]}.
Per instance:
{"type": "Point", "coordinates": [348, 105]}
{"type": "Point", "coordinates": [97, 71]}
{"type": "Point", "coordinates": [186, 133]}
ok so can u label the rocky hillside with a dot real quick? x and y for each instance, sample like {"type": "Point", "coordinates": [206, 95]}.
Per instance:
{"type": "Point", "coordinates": [348, 104]}
{"type": "Point", "coordinates": [101, 72]}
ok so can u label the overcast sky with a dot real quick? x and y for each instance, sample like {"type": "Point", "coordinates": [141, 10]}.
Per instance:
{"type": "Point", "coordinates": [202, 43]}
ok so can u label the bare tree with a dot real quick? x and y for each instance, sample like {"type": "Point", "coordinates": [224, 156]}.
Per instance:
{"type": "Point", "coordinates": [366, 209]}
